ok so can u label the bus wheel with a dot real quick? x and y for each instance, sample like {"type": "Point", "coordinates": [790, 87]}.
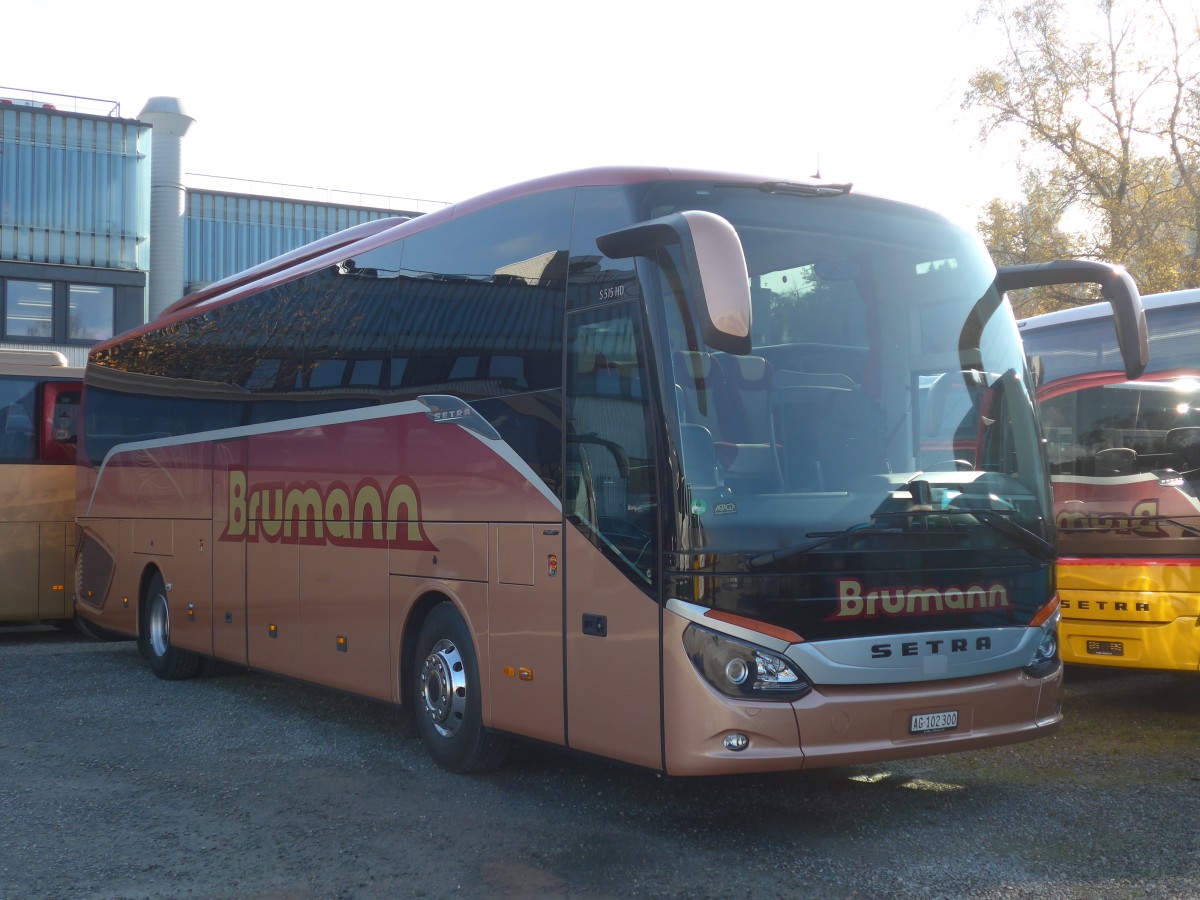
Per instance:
{"type": "Point", "coordinates": [166, 662]}
{"type": "Point", "coordinates": [446, 696]}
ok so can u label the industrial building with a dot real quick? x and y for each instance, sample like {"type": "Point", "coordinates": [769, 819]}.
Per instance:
{"type": "Point", "coordinates": [101, 229]}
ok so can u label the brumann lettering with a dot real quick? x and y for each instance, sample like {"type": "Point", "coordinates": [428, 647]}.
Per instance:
{"type": "Point", "coordinates": [855, 602]}
{"type": "Point", "coordinates": [1143, 521]}
{"type": "Point", "coordinates": [365, 515]}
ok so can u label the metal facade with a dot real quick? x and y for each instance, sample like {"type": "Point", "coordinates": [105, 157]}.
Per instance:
{"type": "Point", "coordinates": [74, 189]}
{"type": "Point", "coordinates": [227, 233]}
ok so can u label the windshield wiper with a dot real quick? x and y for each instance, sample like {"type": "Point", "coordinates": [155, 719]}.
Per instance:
{"type": "Point", "coordinates": [821, 539]}
{"type": "Point", "coordinates": [815, 189]}
{"type": "Point", "coordinates": [1028, 540]}
{"type": "Point", "coordinates": [1034, 543]}
{"type": "Point", "coordinates": [824, 189]}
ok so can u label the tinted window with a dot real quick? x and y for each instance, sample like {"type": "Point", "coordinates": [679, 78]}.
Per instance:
{"type": "Point", "coordinates": [594, 278]}
{"type": "Point", "coordinates": [479, 300]}
{"type": "Point", "coordinates": [611, 486]}
{"type": "Point", "coordinates": [17, 417]}
{"type": "Point", "coordinates": [1115, 430]}
{"type": "Point", "coordinates": [474, 306]}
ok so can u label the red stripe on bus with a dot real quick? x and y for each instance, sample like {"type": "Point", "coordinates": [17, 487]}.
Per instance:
{"type": "Point", "coordinates": [1129, 561]}
{"type": "Point", "coordinates": [783, 634]}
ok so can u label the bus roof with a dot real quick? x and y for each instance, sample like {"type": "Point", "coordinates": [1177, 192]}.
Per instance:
{"type": "Point", "coordinates": [286, 260]}
{"type": "Point", "coordinates": [366, 236]}
{"type": "Point", "coordinates": [580, 178]}
{"type": "Point", "coordinates": [33, 359]}
{"type": "Point", "coordinates": [1102, 309]}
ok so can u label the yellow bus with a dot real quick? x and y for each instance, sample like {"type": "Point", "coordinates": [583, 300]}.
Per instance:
{"type": "Point", "coordinates": [702, 472]}
{"type": "Point", "coordinates": [1125, 470]}
{"type": "Point", "coordinates": [39, 410]}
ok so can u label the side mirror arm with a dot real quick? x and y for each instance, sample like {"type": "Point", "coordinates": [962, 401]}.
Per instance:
{"type": "Point", "coordinates": [1118, 288]}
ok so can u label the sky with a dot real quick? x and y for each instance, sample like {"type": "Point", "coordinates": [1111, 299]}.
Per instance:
{"type": "Point", "coordinates": [443, 100]}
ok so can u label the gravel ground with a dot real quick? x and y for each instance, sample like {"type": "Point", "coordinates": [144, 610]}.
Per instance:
{"type": "Point", "coordinates": [116, 784]}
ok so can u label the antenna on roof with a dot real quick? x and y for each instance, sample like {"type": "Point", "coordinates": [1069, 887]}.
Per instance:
{"type": "Point", "coordinates": [817, 174]}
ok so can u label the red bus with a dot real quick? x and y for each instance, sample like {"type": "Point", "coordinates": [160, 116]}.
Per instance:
{"type": "Point", "coordinates": [644, 463]}
{"type": "Point", "coordinates": [39, 408]}
{"type": "Point", "coordinates": [1125, 471]}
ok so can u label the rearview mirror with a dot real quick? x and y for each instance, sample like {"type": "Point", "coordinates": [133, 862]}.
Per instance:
{"type": "Point", "coordinates": [1119, 290]}
{"type": "Point", "coordinates": [715, 265]}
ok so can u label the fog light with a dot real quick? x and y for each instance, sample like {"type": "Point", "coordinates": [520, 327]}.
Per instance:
{"type": "Point", "coordinates": [736, 742]}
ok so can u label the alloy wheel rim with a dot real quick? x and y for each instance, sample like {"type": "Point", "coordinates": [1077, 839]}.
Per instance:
{"type": "Point", "coordinates": [444, 688]}
{"type": "Point", "coordinates": [160, 626]}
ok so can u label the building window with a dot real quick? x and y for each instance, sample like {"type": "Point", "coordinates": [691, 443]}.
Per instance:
{"type": "Point", "coordinates": [90, 315]}
{"type": "Point", "coordinates": [29, 310]}
{"type": "Point", "coordinates": [58, 312]}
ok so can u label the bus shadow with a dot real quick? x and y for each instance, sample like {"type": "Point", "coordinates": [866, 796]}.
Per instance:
{"type": "Point", "coordinates": [1132, 692]}
{"type": "Point", "coordinates": [39, 633]}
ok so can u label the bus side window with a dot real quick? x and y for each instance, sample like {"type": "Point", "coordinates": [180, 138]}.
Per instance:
{"type": "Point", "coordinates": [612, 480]}
{"type": "Point", "coordinates": [16, 419]}
{"type": "Point", "coordinates": [17, 434]}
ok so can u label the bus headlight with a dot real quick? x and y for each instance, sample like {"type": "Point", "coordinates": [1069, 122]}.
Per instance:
{"type": "Point", "coordinates": [1045, 658]}
{"type": "Point", "coordinates": [742, 670]}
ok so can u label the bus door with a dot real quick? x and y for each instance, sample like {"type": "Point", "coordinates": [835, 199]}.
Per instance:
{"type": "Point", "coordinates": [525, 629]}
{"type": "Point", "coordinates": [56, 446]}
{"type": "Point", "coordinates": [229, 551]}
{"type": "Point", "coordinates": [612, 621]}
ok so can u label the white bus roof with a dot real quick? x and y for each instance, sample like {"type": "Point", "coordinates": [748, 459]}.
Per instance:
{"type": "Point", "coordinates": [1102, 310]}
{"type": "Point", "coordinates": [49, 364]}
{"type": "Point", "coordinates": [32, 358]}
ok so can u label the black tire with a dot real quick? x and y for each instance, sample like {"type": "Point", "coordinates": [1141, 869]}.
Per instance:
{"type": "Point", "coordinates": [447, 704]}
{"type": "Point", "coordinates": [154, 637]}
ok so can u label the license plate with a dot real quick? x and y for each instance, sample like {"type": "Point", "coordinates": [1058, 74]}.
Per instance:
{"type": "Point", "coordinates": [1106, 648]}
{"type": "Point", "coordinates": [932, 723]}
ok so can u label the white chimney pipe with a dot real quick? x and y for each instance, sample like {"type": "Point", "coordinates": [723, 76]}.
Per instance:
{"type": "Point", "coordinates": [169, 123]}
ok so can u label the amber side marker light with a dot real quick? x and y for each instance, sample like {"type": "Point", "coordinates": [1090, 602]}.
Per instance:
{"type": "Point", "coordinates": [1046, 612]}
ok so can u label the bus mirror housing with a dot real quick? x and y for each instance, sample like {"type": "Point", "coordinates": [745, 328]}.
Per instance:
{"type": "Point", "coordinates": [60, 421]}
{"type": "Point", "coordinates": [715, 264]}
{"type": "Point", "coordinates": [1119, 290]}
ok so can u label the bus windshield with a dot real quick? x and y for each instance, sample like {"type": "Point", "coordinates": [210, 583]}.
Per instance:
{"type": "Point", "coordinates": [1124, 455]}
{"type": "Point", "coordinates": [886, 390]}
